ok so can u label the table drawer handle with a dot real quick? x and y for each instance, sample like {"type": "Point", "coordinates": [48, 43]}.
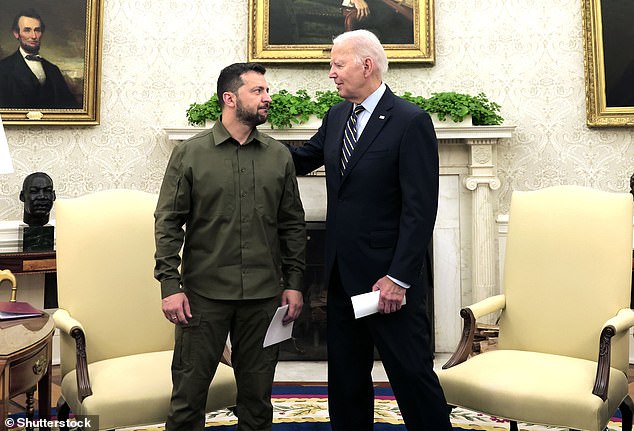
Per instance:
{"type": "Point", "coordinates": [39, 365]}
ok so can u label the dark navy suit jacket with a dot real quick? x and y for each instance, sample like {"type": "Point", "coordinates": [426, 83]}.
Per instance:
{"type": "Point", "coordinates": [381, 212]}
{"type": "Point", "coordinates": [19, 88]}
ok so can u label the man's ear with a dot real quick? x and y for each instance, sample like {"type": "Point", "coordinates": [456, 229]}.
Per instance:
{"type": "Point", "coordinates": [22, 196]}
{"type": "Point", "coordinates": [16, 35]}
{"type": "Point", "coordinates": [228, 98]}
{"type": "Point", "coordinates": [368, 66]}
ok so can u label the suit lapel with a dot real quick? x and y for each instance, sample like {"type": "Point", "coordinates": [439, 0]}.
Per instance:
{"type": "Point", "coordinates": [23, 71]}
{"type": "Point", "coordinates": [377, 121]}
{"type": "Point", "coordinates": [337, 125]}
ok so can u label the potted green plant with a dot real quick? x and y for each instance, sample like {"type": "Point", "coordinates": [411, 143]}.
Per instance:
{"type": "Point", "coordinates": [288, 109]}
{"type": "Point", "coordinates": [324, 100]}
{"type": "Point", "coordinates": [199, 113]}
{"type": "Point", "coordinates": [458, 106]}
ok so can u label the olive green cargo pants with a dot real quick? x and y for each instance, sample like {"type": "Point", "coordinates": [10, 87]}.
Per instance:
{"type": "Point", "coordinates": [198, 348]}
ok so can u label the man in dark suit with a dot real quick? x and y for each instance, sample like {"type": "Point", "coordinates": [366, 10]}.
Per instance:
{"type": "Point", "coordinates": [28, 81]}
{"type": "Point", "coordinates": [382, 202]}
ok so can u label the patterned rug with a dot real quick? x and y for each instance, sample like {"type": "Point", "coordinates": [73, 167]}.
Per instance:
{"type": "Point", "coordinates": [305, 408]}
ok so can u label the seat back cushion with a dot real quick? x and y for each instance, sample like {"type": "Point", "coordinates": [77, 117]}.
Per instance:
{"type": "Point", "coordinates": [567, 270]}
{"type": "Point", "coordinates": [105, 249]}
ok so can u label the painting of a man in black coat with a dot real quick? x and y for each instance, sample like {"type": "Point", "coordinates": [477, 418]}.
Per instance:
{"type": "Point", "coordinates": [28, 80]}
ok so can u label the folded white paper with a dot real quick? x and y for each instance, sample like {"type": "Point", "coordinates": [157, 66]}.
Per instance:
{"type": "Point", "coordinates": [277, 331]}
{"type": "Point", "coordinates": [367, 303]}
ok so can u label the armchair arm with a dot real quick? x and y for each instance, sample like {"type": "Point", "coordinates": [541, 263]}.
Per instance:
{"type": "Point", "coordinates": [469, 315]}
{"type": "Point", "coordinates": [623, 320]}
{"type": "Point", "coordinates": [72, 327]}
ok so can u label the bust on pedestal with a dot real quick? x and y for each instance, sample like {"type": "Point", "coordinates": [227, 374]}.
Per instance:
{"type": "Point", "coordinates": [38, 196]}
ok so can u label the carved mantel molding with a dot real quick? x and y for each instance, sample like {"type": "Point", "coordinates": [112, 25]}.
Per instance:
{"type": "Point", "coordinates": [303, 132]}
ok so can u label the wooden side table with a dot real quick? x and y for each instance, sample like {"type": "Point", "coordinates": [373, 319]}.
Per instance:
{"type": "Point", "coordinates": [29, 262]}
{"type": "Point", "coordinates": [25, 363]}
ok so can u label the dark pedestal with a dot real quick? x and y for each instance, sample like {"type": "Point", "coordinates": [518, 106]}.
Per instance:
{"type": "Point", "coordinates": [36, 238]}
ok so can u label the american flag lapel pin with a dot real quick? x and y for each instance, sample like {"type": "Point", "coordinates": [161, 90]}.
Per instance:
{"type": "Point", "coordinates": [381, 117]}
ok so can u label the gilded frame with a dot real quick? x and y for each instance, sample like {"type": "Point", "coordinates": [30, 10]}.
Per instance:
{"type": "Point", "coordinates": [420, 50]}
{"type": "Point", "coordinates": [606, 66]}
{"type": "Point", "coordinates": [66, 30]}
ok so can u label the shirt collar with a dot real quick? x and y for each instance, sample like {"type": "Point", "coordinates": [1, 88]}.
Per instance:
{"type": "Point", "coordinates": [23, 53]}
{"type": "Point", "coordinates": [221, 134]}
{"type": "Point", "coordinates": [369, 104]}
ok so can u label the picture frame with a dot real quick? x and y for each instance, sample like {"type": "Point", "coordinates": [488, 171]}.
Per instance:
{"type": "Point", "coordinates": [71, 42]}
{"type": "Point", "coordinates": [609, 62]}
{"type": "Point", "coordinates": [301, 31]}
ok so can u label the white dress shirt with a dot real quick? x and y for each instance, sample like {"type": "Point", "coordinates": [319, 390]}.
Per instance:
{"type": "Point", "coordinates": [35, 66]}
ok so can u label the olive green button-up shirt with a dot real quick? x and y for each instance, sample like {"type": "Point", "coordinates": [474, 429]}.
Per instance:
{"type": "Point", "coordinates": [236, 212]}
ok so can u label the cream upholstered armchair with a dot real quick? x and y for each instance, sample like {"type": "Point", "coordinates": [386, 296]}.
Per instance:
{"type": "Point", "coordinates": [562, 354]}
{"type": "Point", "coordinates": [116, 346]}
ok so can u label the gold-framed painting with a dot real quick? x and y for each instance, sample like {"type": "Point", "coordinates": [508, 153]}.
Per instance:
{"type": "Point", "coordinates": [609, 62]}
{"type": "Point", "coordinates": [50, 62]}
{"type": "Point", "coordinates": [300, 31]}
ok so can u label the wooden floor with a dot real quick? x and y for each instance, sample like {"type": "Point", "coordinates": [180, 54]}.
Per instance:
{"type": "Point", "coordinates": [19, 402]}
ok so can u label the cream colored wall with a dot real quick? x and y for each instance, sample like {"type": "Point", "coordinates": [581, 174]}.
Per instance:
{"type": "Point", "coordinates": [160, 57]}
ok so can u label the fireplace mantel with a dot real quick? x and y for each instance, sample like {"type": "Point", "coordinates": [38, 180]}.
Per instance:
{"type": "Point", "coordinates": [465, 247]}
{"type": "Point", "coordinates": [303, 132]}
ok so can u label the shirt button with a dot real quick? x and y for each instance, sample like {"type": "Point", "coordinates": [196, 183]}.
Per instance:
{"type": "Point", "coordinates": [243, 194]}
{"type": "Point", "coordinates": [242, 170]}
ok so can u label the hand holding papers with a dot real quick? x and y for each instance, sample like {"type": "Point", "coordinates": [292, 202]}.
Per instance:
{"type": "Point", "coordinates": [277, 331]}
{"type": "Point", "coordinates": [367, 303]}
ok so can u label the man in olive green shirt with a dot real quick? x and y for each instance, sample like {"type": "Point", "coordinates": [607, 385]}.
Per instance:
{"type": "Point", "coordinates": [235, 191]}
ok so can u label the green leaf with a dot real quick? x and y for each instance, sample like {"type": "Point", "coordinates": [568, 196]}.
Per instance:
{"type": "Point", "coordinates": [287, 108]}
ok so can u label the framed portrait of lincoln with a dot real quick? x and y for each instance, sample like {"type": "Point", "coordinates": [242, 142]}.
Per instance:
{"type": "Point", "coordinates": [50, 53]}
{"type": "Point", "coordinates": [299, 31]}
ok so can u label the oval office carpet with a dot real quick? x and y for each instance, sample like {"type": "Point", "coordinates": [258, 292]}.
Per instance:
{"type": "Point", "coordinates": [305, 408]}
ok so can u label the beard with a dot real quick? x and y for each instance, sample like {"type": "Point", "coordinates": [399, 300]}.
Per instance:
{"type": "Point", "coordinates": [30, 49]}
{"type": "Point", "coordinates": [251, 119]}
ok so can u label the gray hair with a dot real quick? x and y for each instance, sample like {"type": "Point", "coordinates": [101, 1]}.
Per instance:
{"type": "Point", "coordinates": [366, 44]}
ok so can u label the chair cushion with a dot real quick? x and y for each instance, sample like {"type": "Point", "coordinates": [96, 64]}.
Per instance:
{"type": "Point", "coordinates": [136, 390]}
{"type": "Point", "coordinates": [532, 387]}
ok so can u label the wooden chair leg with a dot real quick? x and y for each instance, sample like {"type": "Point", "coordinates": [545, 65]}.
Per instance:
{"type": "Point", "coordinates": [627, 409]}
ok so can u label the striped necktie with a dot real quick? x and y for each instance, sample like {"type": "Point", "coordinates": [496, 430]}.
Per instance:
{"type": "Point", "coordinates": [349, 138]}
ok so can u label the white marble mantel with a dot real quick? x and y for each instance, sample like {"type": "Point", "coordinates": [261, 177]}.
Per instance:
{"type": "Point", "coordinates": [466, 264]}
{"type": "Point", "coordinates": [303, 132]}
